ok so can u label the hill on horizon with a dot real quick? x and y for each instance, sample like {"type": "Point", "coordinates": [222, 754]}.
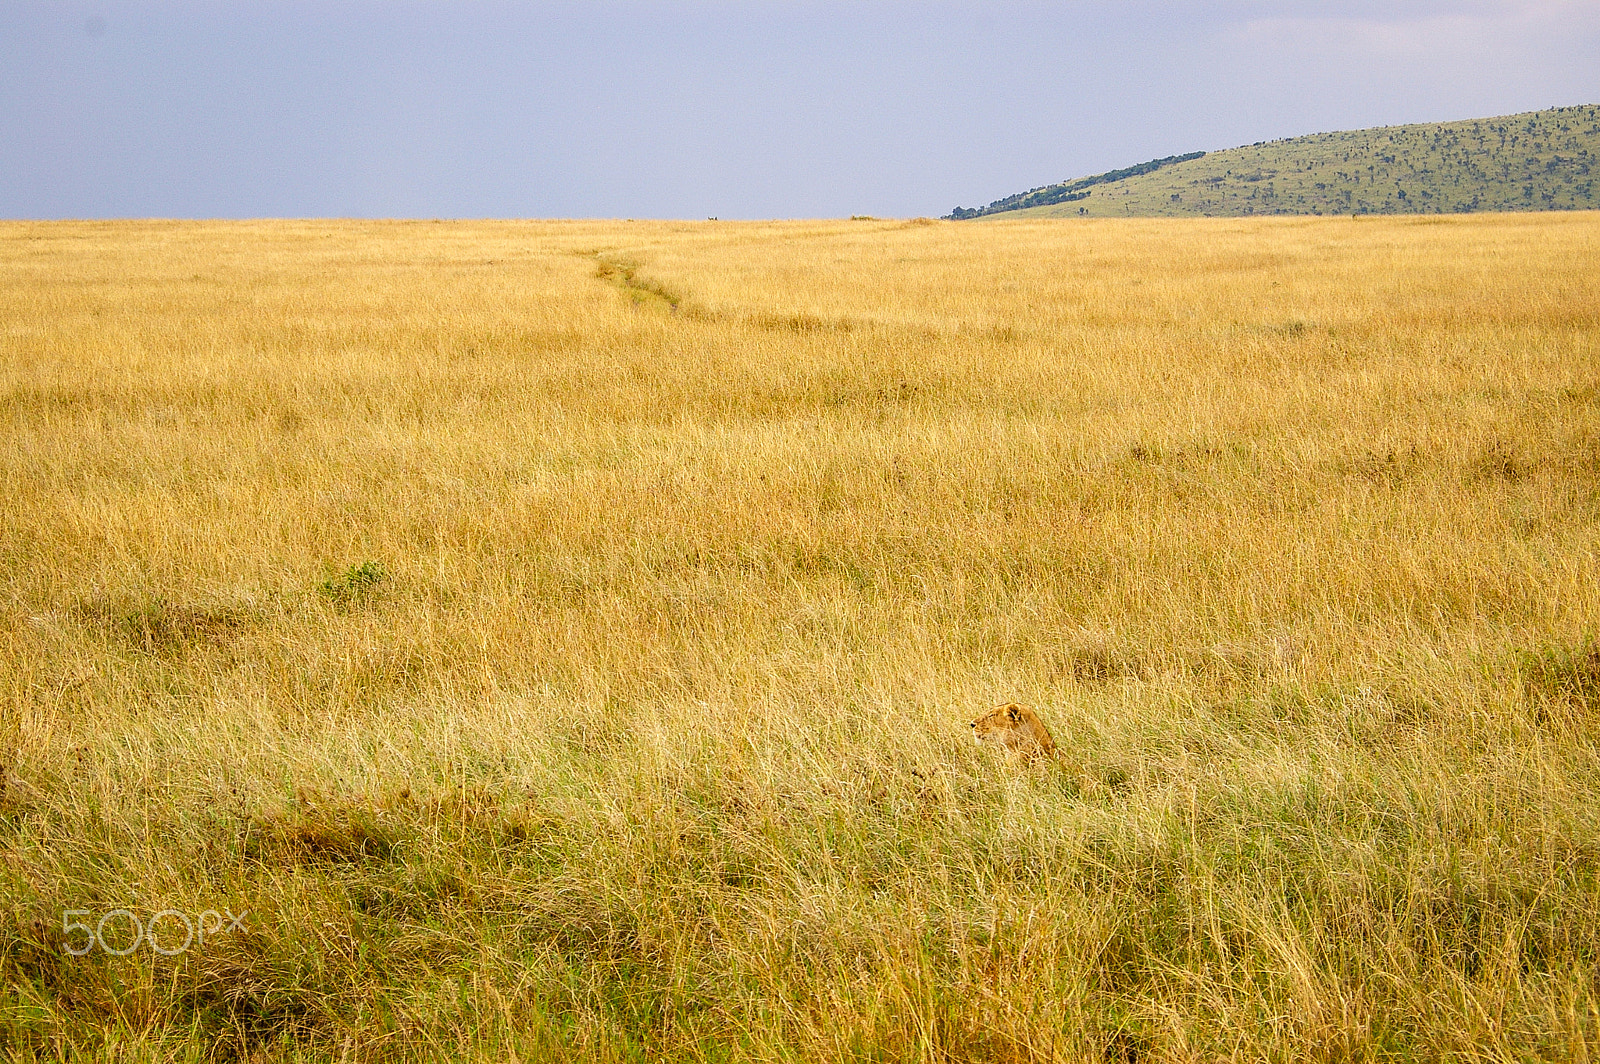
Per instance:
{"type": "Point", "coordinates": [1538, 160]}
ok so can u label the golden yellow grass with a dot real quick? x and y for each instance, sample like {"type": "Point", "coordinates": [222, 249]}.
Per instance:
{"type": "Point", "coordinates": [560, 638]}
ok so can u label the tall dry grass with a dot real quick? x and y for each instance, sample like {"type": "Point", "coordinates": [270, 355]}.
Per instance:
{"type": "Point", "coordinates": [558, 638]}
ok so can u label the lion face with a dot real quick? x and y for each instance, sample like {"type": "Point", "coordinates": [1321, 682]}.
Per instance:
{"type": "Point", "coordinates": [995, 724]}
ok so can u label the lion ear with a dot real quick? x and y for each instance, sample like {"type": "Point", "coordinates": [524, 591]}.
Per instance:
{"type": "Point", "coordinates": [1012, 713]}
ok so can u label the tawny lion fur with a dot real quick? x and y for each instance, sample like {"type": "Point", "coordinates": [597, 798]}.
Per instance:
{"type": "Point", "coordinates": [1017, 728]}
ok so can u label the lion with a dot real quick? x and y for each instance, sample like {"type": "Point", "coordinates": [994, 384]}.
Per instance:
{"type": "Point", "coordinates": [1017, 728]}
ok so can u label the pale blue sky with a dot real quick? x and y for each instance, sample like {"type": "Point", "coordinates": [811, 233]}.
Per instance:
{"type": "Point", "coordinates": [684, 110]}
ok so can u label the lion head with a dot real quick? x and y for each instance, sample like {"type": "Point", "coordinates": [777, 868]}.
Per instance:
{"type": "Point", "coordinates": [1016, 728]}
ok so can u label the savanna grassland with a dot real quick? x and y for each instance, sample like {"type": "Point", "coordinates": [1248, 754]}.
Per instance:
{"type": "Point", "coordinates": [556, 640]}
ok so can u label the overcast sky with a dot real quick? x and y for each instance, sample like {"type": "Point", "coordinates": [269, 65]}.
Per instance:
{"type": "Point", "coordinates": [464, 108]}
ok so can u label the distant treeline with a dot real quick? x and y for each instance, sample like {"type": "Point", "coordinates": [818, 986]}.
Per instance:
{"type": "Point", "coordinates": [1067, 191]}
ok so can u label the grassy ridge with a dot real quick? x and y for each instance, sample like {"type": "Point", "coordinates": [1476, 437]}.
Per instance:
{"type": "Point", "coordinates": [556, 639]}
{"type": "Point", "coordinates": [1541, 160]}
